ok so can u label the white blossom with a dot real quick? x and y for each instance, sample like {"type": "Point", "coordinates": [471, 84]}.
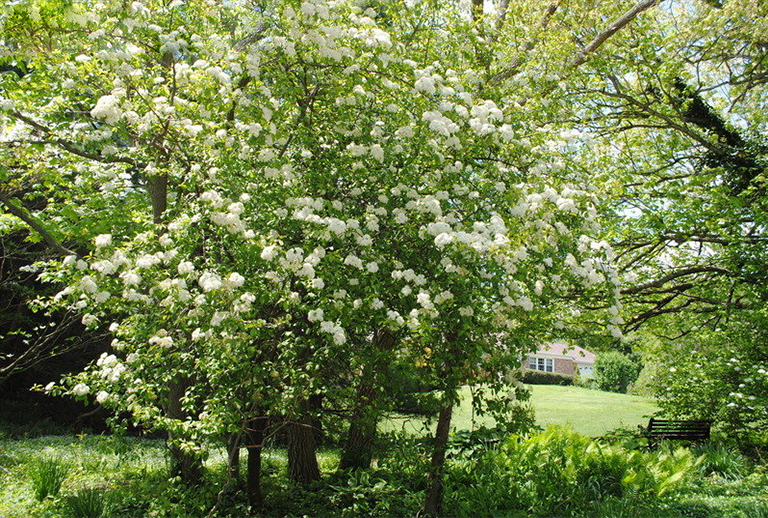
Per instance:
{"type": "Point", "coordinates": [103, 240]}
{"type": "Point", "coordinates": [209, 281]}
{"type": "Point", "coordinates": [81, 389]}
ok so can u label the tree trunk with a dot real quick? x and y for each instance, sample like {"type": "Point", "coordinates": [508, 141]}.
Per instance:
{"type": "Point", "coordinates": [302, 449]}
{"type": "Point", "coordinates": [158, 193]}
{"type": "Point", "coordinates": [477, 10]}
{"type": "Point", "coordinates": [434, 496]}
{"type": "Point", "coordinates": [316, 404]}
{"type": "Point", "coordinates": [234, 442]}
{"type": "Point", "coordinates": [255, 444]}
{"type": "Point", "coordinates": [358, 448]}
{"type": "Point", "coordinates": [183, 464]}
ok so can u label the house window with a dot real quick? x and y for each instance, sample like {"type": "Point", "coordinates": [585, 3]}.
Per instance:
{"type": "Point", "coordinates": [542, 364]}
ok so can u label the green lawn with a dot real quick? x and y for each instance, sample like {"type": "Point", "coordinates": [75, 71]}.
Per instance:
{"type": "Point", "coordinates": [590, 412]}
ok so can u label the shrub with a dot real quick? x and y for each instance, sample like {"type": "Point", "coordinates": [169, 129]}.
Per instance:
{"type": "Point", "coordinates": [86, 503]}
{"type": "Point", "coordinates": [615, 372]}
{"type": "Point", "coordinates": [368, 493]}
{"type": "Point", "coordinates": [47, 477]}
{"type": "Point", "coordinates": [536, 377]}
{"type": "Point", "coordinates": [408, 394]}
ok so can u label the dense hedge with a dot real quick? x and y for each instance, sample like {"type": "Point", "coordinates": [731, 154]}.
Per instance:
{"type": "Point", "coordinates": [535, 377]}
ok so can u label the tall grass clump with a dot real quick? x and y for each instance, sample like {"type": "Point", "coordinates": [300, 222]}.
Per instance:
{"type": "Point", "coordinates": [86, 503]}
{"type": "Point", "coordinates": [47, 477]}
{"type": "Point", "coordinates": [722, 460]}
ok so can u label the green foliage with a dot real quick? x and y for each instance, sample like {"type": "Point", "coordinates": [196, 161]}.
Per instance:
{"type": "Point", "coordinates": [722, 461]}
{"type": "Point", "coordinates": [87, 503]}
{"type": "Point", "coordinates": [47, 477]}
{"type": "Point", "coordinates": [560, 472]}
{"type": "Point", "coordinates": [409, 393]}
{"type": "Point", "coordinates": [720, 376]}
{"type": "Point", "coordinates": [520, 420]}
{"type": "Point", "coordinates": [615, 372]}
{"type": "Point", "coordinates": [367, 493]}
{"type": "Point", "coordinates": [537, 377]}
{"type": "Point", "coordinates": [483, 485]}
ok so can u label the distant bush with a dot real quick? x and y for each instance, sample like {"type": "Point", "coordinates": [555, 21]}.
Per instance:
{"type": "Point", "coordinates": [536, 377]}
{"type": "Point", "coordinates": [408, 394]}
{"type": "Point", "coordinates": [615, 372]}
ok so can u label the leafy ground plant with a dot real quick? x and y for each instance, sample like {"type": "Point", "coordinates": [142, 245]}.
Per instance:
{"type": "Point", "coordinates": [562, 473]}
{"type": "Point", "coordinates": [47, 477]}
{"type": "Point", "coordinates": [723, 461]}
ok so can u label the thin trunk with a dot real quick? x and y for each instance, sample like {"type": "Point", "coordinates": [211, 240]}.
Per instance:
{"type": "Point", "coordinates": [358, 449]}
{"type": "Point", "coordinates": [434, 496]}
{"type": "Point", "coordinates": [183, 464]}
{"type": "Point", "coordinates": [234, 442]}
{"type": "Point", "coordinates": [255, 443]}
{"type": "Point", "coordinates": [302, 449]}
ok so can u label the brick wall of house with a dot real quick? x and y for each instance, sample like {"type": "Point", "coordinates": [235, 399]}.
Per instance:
{"type": "Point", "coordinates": [564, 366]}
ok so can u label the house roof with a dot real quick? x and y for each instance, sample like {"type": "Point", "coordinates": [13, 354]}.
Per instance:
{"type": "Point", "coordinates": [574, 351]}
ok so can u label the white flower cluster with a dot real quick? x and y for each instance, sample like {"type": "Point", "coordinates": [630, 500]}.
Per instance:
{"type": "Point", "coordinates": [162, 339]}
{"type": "Point", "coordinates": [81, 389]}
{"type": "Point", "coordinates": [335, 330]}
{"type": "Point", "coordinates": [110, 368]}
{"type": "Point", "coordinates": [210, 281]}
{"type": "Point", "coordinates": [103, 240]}
{"type": "Point", "coordinates": [108, 108]}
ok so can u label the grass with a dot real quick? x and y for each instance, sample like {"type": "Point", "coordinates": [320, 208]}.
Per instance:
{"type": "Point", "coordinates": [589, 412]}
{"type": "Point", "coordinates": [93, 461]}
{"type": "Point", "coordinates": [128, 476]}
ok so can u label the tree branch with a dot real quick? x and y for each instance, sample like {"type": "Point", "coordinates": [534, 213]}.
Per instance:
{"type": "Point", "coordinates": [35, 225]}
{"type": "Point", "coordinates": [672, 276]}
{"type": "Point", "coordinates": [612, 29]}
{"type": "Point", "coordinates": [514, 67]}
{"type": "Point", "coordinates": [69, 146]}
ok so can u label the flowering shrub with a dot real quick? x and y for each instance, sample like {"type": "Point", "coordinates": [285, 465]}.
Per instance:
{"type": "Point", "coordinates": [254, 203]}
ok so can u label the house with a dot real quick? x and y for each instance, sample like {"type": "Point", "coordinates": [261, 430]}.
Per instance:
{"type": "Point", "coordinates": [563, 358]}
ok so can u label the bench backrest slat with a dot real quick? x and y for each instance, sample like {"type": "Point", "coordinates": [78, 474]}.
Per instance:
{"type": "Point", "coordinates": [692, 429]}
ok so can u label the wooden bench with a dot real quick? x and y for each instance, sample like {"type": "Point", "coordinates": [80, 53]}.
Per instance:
{"type": "Point", "coordinates": [680, 430]}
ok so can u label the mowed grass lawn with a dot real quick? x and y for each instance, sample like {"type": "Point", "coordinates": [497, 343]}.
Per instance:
{"type": "Point", "coordinates": [589, 412]}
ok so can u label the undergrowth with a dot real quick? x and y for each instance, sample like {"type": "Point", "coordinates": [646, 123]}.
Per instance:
{"type": "Point", "coordinates": [555, 474]}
